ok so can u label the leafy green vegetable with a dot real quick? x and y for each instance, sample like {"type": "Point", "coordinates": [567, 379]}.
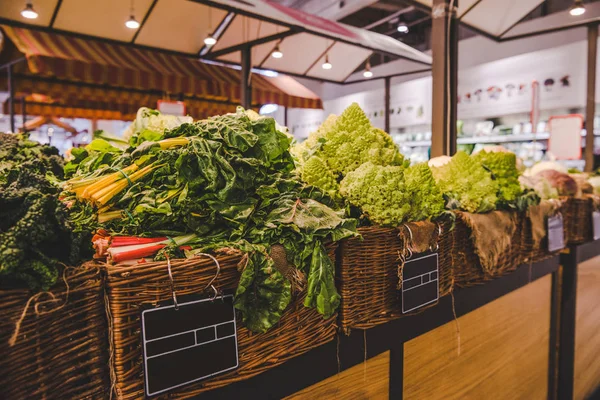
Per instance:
{"type": "Point", "coordinates": [466, 184]}
{"type": "Point", "coordinates": [34, 236]}
{"type": "Point", "coordinates": [229, 180]}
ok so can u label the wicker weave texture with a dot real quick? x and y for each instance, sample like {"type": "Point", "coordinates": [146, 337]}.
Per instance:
{"type": "Point", "coordinates": [60, 352]}
{"type": "Point", "coordinates": [368, 276]}
{"type": "Point", "coordinates": [467, 269]}
{"type": "Point", "coordinates": [578, 220]}
{"type": "Point", "coordinates": [531, 253]}
{"type": "Point", "coordinates": [129, 288]}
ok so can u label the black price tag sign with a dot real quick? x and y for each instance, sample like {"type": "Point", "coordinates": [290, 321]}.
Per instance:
{"type": "Point", "coordinates": [556, 234]}
{"type": "Point", "coordinates": [184, 345]}
{"type": "Point", "coordinates": [420, 281]}
{"type": "Point", "coordinates": [596, 224]}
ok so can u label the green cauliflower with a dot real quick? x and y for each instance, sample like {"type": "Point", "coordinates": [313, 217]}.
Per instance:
{"type": "Point", "coordinates": [316, 172]}
{"type": "Point", "coordinates": [503, 166]}
{"type": "Point", "coordinates": [426, 200]}
{"type": "Point", "coordinates": [342, 145]}
{"type": "Point", "coordinates": [392, 195]}
{"type": "Point", "coordinates": [380, 191]}
{"type": "Point", "coordinates": [466, 184]}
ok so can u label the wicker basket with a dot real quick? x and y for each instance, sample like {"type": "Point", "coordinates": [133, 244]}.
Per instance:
{"type": "Point", "coordinates": [578, 219]}
{"type": "Point", "coordinates": [531, 253]}
{"type": "Point", "coordinates": [467, 269]}
{"type": "Point", "coordinates": [368, 276]}
{"type": "Point", "coordinates": [60, 351]}
{"type": "Point", "coordinates": [128, 288]}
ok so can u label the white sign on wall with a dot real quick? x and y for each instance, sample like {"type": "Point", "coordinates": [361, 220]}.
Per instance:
{"type": "Point", "coordinates": [565, 136]}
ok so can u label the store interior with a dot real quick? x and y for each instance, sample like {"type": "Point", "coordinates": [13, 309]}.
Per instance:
{"type": "Point", "coordinates": [350, 199]}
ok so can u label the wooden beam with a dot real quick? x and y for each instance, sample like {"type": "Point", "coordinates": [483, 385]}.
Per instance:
{"type": "Point", "coordinates": [11, 97]}
{"type": "Point", "coordinates": [444, 46]}
{"type": "Point", "coordinates": [55, 13]}
{"type": "Point", "coordinates": [246, 94]}
{"type": "Point", "coordinates": [590, 108]}
{"type": "Point", "coordinates": [252, 43]}
{"type": "Point", "coordinates": [144, 20]}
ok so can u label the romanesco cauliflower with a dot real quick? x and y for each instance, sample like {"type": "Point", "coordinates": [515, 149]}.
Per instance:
{"type": "Point", "coordinates": [392, 195]}
{"type": "Point", "coordinates": [466, 184]}
{"type": "Point", "coordinates": [343, 144]}
{"type": "Point", "coordinates": [315, 172]}
{"type": "Point", "coordinates": [503, 166]}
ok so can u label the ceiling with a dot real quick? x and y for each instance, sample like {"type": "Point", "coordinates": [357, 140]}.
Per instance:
{"type": "Point", "coordinates": [181, 26]}
{"type": "Point", "coordinates": [384, 16]}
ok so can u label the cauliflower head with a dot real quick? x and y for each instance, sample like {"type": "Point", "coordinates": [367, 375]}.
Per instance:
{"type": "Point", "coordinates": [504, 169]}
{"type": "Point", "coordinates": [316, 173]}
{"type": "Point", "coordinates": [466, 184]}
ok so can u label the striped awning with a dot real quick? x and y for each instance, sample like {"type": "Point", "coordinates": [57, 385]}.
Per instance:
{"type": "Point", "coordinates": [73, 59]}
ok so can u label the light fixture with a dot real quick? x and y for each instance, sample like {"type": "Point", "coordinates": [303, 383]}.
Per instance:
{"type": "Point", "coordinates": [132, 23]}
{"type": "Point", "coordinates": [367, 73]}
{"type": "Point", "coordinates": [326, 64]}
{"type": "Point", "coordinates": [210, 40]}
{"type": "Point", "coordinates": [402, 27]}
{"type": "Point", "coordinates": [577, 9]}
{"type": "Point", "coordinates": [28, 12]}
{"type": "Point", "coordinates": [276, 52]}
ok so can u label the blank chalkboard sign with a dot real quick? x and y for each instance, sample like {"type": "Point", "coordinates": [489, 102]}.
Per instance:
{"type": "Point", "coordinates": [420, 281]}
{"type": "Point", "coordinates": [556, 234]}
{"type": "Point", "coordinates": [196, 341]}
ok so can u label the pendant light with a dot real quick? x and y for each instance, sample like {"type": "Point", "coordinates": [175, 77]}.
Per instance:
{"type": "Point", "coordinates": [276, 52]}
{"type": "Point", "coordinates": [402, 27]}
{"type": "Point", "coordinates": [28, 12]}
{"type": "Point", "coordinates": [210, 40]}
{"type": "Point", "coordinates": [327, 64]}
{"type": "Point", "coordinates": [132, 23]}
{"type": "Point", "coordinates": [577, 9]}
{"type": "Point", "coordinates": [367, 73]}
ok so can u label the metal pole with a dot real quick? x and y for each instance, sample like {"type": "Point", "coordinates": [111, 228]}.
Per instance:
{"type": "Point", "coordinates": [24, 113]}
{"type": "Point", "coordinates": [11, 98]}
{"type": "Point", "coordinates": [246, 94]}
{"type": "Point", "coordinates": [590, 108]}
{"type": "Point", "coordinates": [285, 116]}
{"type": "Point", "coordinates": [444, 47]}
{"type": "Point", "coordinates": [388, 82]}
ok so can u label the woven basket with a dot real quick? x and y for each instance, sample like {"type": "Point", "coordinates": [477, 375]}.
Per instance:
{"type": "Point", "coordinates": [368, 276]}
{"type": "Point", "coordinates": [531, 253]}
{"type": "Point", "coordinates": [577, 219]}
{"type": "Point", "coordinates": [128, 288]}
{"type": "Point", "coordinates": [60, 353]}
{"type": "Point", "coordinates": [467, 270]}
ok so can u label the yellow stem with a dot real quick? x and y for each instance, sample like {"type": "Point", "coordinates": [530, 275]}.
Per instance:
{"type": "Point", "coordinates": [172, 142]}
{"type": "Point", "coordinates": [107, 181]}
{"type": "Point", "coordinates": [117, 187]}
{"type": "Point", "coordinates": [109, 216]}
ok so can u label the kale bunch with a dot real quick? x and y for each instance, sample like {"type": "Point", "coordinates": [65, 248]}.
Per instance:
{"type": "Point", "coordinates": [34, 235]}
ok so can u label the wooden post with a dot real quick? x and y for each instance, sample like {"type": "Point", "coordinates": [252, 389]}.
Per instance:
{"type": "Point", "coordinates": [388, 82]}
{"type": "Point", "coordinates": [590, 108]}
{"type": "Point", "coordinates": [11, 97]}
{"type": "Point", "coordinates": [24, 113]}
{"type": "Point", "coordinates": [246, 94]}
{"type": "Point", "coordinates": [444, 47]}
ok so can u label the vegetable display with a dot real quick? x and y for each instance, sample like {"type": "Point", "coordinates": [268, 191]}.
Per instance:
{"type": "Point", "coordinates": [34, 236]}
{"type": "Point", "coordinates": [503, 166]}
{"type": "Point", "coordinates": [222, 182]}
{"type": "Point", "coordinates": [350, 159]}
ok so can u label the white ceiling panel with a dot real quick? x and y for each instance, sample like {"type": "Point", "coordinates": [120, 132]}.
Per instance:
{"type": "Point", "coordinates": [179, 25]}
{"type": "Point", "coordinates": [496, 16]}
{"type": "Point", "coordinates": [243, 29]}
{"type": "Point", "coordinates": [343, 65]}
{"type": "Point", "coordinates": [11, 9]}
{"type": "Point", "coordinates": [104, 18]}
{"type": "Point", "coordinates": [299, 52]}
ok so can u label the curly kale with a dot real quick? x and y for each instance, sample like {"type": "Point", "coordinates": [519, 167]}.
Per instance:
{"type": "Point", "coordinates": [34, 235]}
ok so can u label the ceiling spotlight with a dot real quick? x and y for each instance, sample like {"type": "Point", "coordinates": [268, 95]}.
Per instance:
{"type": "Point", "coordinates": [402, 27]}
{"type": "Point", "coordinates": [210, 40]}
{"type": "Point", "coordinates": [326, 64]}
{"type": "Point", "coordinates": [367, 73]}
{"type": "Point", "coordinates": [28, 12]}
{"type": "Point", "coordinates": [276, 52]}
{"type": "Point", "coordinates": [132, 23]}
{"type": "Point", "coordinates": [577, 9]}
